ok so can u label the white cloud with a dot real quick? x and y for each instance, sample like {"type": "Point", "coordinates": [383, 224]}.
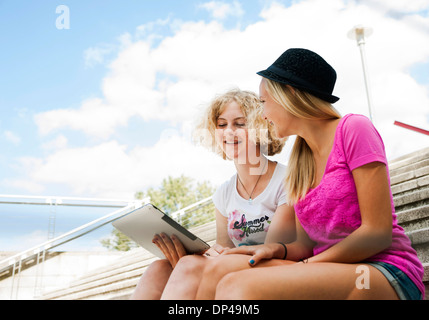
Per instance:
{"type": "Point", "coordinates": [26, 185]}
{"type": "Point", "coordinates": [12, 137]}
{"type": "Point", "coordinates": [172, 80]}
{"type": "Point", "coordinates": [96, 55]}
{"type": "Point", "coordinates": [221, 10]}
{"type": "Point", "coordinates": [20, 242]}
{"type": "Point", "coordinates": [111, 170]}
{"type": "Point", "coordinates": [398, 6]}
{"type": "Point", "coordinates": [93, 117]}
{"type": "Point", "coordinates": [60, 142]}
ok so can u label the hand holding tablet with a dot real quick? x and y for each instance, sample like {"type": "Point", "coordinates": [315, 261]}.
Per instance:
{"type": "Point", "coordinates": [143, 224]}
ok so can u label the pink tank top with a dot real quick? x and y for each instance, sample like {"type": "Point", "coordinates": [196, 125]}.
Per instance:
{"type": "Point", "coordinates": [330, 212]}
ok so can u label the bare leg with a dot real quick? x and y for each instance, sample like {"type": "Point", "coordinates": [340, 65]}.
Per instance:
{"type": "Point", "coordinates": [152, 283]}
{"type": "Point", "coordinates": [222, 265]}
{"type": "Point", "coordinates": [305, 281]}
{"type": "Point", "coordinates": [196, 277]}
{"type": "Point", "coordinates": [185, 279]}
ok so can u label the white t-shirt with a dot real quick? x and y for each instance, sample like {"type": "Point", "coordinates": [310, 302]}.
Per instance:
{"type": "Point", "coordinates": [248, 223]}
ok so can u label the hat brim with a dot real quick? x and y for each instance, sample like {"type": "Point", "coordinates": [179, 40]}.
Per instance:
{"type": "Point", "coordinates": [274, 77]}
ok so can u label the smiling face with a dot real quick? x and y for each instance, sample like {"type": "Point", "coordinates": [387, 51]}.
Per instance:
{"type": "Point", "coordinates": [232, 123]}
{"type": "Point", "coordinates": [276, 114]}
{"type": "Point", "coordinates": [231, 131]}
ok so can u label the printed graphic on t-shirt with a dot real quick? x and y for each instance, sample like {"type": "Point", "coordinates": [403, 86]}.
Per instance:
{"type": "Point", "coordinates": [240, 229]}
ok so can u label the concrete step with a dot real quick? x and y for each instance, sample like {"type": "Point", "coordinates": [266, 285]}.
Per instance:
{"type": "Point", "coordinates": [412, 199]}
{"type": "Point", "coordinates": [420, 178]}
{"type": "Point", "coordinates": [122, 266]}
{"type": "Point", "coordinates": [419, 237]}
{"type": "Point", "coordinates": [403, 177]}
{"type": "Point", "coordinates": [124, 271]}
{"type": "Point", "coordinates": [426, 276]}
{"type": "Point", "coordinates": [414, 218]}
{"type": "Point", "coordinates": [88, 290]}
{"type": "Point", "coordinates": [423, 252]}
{"type": "Point", "coordinates": [127, 261]}
{"type": "Point", "coordinates": [420, 242]}
{"type": "Point", "coordinates": [401, 164]}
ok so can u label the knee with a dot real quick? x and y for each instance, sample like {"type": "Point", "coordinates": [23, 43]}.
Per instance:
{"type": "Point", "coordinates": [189, 264]}
{"type": "Point", "coordinates": [231, 288]}
{"type": "Point", "coordinates": [215, 268]}
{"type": "Point", "coordinates": [159, 266]}
{"type": "Point", "coordinates": [157, 269]}
{"type": "Point", "coordinates": [153, 280]}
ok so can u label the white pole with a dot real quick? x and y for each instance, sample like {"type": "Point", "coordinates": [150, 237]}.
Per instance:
{"type": "Point", "coordinates": [358, 33]}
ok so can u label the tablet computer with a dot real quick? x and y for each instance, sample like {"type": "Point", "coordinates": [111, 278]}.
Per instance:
{"type": "Point", "coordinates": [142, 224]}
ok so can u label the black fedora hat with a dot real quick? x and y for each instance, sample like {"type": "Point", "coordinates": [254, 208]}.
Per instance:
{"type": "Point", "coordinates": [305, 70]}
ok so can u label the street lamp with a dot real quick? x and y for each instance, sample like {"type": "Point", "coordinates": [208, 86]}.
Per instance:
{"type": "Point", "coordinates": [359, 33]}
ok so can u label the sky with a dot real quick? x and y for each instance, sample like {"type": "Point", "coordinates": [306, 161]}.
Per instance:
{"type": "Point", "coordinates": [99, 98]}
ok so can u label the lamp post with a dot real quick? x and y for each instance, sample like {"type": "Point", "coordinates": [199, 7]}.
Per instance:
{"type": "Point", "coordinates": [359, 33]}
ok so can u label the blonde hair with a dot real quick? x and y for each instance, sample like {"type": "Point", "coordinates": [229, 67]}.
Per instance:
{"type": "Point", "coordinates": [301, 169]}
{"type": "Point", "coordinates": [259, 131]}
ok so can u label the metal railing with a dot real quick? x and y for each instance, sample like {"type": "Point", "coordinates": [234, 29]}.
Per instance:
{"type": "Point", "coordinates": [35, 256]}
{"type": "Point", "coordinates": [64, 201]}
{"type": "Point", "coordinates": [187, 216]}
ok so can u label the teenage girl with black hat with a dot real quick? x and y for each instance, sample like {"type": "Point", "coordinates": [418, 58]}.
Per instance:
{"type": "Point", "coordinates": [349, 244]}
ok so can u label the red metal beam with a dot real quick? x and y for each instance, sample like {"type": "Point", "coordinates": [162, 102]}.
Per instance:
{"type": "Point", "coordinates": [407, 126]}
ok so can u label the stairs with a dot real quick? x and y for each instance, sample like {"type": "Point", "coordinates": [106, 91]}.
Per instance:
{"type": "Point", "coordinates": [409, 178]}
{"type": "Point", "coordinates": [410, 188]}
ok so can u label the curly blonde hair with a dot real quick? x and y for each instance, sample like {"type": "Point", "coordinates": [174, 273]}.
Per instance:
{"type": "Point", "coordinates": [260, 132]}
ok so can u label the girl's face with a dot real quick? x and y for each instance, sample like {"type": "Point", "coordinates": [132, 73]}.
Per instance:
{"type": "Point", "coordinates": [276, 114]}
{"type": "Point", "coordinates": [231, 132]}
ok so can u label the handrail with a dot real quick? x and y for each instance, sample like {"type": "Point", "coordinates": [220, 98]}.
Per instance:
{"type": "Point", "coordinates": [176, 215]}
{"type": "Point", "coordinates": [62, 201]}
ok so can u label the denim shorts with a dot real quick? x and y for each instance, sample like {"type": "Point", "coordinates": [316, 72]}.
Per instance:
{"type": "Point", "coordinates": [404, 287]}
